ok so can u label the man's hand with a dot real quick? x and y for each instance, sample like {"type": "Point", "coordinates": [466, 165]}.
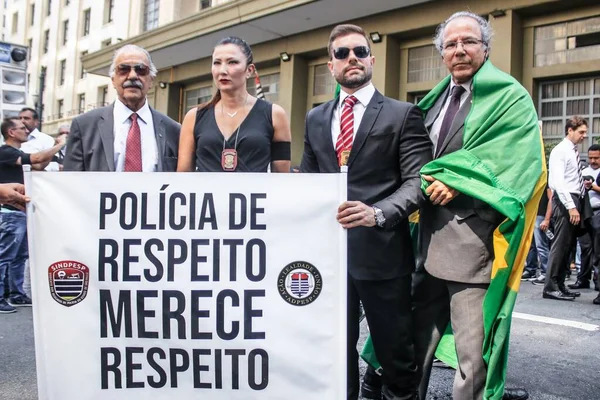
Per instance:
{"type": "Point", "coordinates": [13, 194]}
{"type": "Point", "coordinates": [574, 216]}
{"type": "Point", "coordinates": [355, 213]}
{"type": "Point", "coordinates": [61, 139]}
{"type": "Point", "coordinates": [544, 225]}
{"type": "Point", "coordinates": [438, 192]}
{"type": "Point", "coordinates": [588, 184]}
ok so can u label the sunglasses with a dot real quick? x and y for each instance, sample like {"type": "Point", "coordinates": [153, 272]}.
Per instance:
{"type": "Point", "coordinates": [125, 69]}
{"type": "Point", "coordinates": [341, 53]}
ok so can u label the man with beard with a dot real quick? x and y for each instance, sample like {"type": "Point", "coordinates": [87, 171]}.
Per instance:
{"type": "Point", "coordinates": [590, 241]}
{"type": "Point", "coordinates": [127, 135]}
{"type": "Point", "coordinates": [384, 143]}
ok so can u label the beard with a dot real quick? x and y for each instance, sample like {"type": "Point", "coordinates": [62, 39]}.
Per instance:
{"type": "Point", "coordinates": [354, 81]}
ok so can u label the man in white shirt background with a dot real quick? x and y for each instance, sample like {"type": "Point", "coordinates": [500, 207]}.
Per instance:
{"type": "Point", "coordinates": [590, 243]}
{"type": "Point", "coordinates": [37, 141]}
{"type": "Point", "coordinates": [566, 181]}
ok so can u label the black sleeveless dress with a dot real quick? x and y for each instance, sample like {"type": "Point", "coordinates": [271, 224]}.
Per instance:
{"type": "Point", "coordinates": [253, 143]}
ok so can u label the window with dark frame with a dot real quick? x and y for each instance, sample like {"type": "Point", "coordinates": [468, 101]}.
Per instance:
{"type": "Point", "coordinates": [103, 95]}
{"type": "Point", "coordinates": [32, 11]}
{"type": "Point", "coordinates": [205, 4]}
{"type": "Point", "coordinates": [61, 71]}
{"type": "Point", "coordinates": [46, 41]}
{"type": "Point", "coordinates": [49, 10]}
{"type": "Point", "coordinates": [82, 73]}
{"type": "Point", "coordinates": [86, 22]}
{"type": "Point", "coordinates": [65, 32]}
{"type": "Point", "coordinates": [81, 108]}
{"type": "Point", "coordinates": [60, 104]}
{"type": "Point", "coordinates": [30, 49]}
{"type": "Point", "coordinates": [151, 10]}
{"type": "Point", "coordinates": [110, 7]}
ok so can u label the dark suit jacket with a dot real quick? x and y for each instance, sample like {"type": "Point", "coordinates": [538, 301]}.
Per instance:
{"type": "Point", "coordinates": [91, 141]}
{"type": "Point", "coordinates": [390, 147]}
{"type": "Point", "coordinates": [456, 240]}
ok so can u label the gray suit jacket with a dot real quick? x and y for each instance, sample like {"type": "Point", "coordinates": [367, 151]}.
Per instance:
{"type": "Point", "coordinates": [90, 145]}
{"type": "Point", "coordinates": [390, 147]}
{"type": "Point", "coordinates": [456, 240]}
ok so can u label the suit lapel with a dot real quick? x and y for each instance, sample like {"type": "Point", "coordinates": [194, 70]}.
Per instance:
{"type": "Point", "coordinates": [457, 123]}
{"type": "Point", "coordinates": [159, 133]}
{"type": "Point", "coordinates": [326, 134]}
{"type": "Point", "coordinates": [107, 136]}
{"type": "Point", "coordinates": [434, 112]}
{"type": "Point", "coordinates": [371, 113]}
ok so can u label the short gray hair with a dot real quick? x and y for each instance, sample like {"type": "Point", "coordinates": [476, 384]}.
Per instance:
{"type": "Point", "coordinates": [132, 48]}
{"type": "Point", "coordinates": [484, 25]}
{"type": "Point", "coordinates": [65, 126]}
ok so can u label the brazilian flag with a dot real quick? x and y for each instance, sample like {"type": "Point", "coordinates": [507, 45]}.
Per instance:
{"type": "Point", "coordinates": [501, 163]}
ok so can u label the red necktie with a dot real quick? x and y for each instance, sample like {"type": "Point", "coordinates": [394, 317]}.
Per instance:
{"type": "Point", "coordinates": [344, 139]}
{"type": "Point", "coordinates": [133, 148]}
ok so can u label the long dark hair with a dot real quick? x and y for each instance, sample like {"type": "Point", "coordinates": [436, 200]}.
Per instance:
{"type": "Point", "coordinates": [245, 47]}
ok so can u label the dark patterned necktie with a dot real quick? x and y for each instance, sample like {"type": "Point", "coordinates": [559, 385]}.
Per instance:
{"type": "Point", "coordinates": [133, 147]}
{"type": "Point", "coordinates": [451, 111]}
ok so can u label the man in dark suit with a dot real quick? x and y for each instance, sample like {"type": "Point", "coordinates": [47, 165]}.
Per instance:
{"type": "Point", "coordinates": [456, 252]}
{"type": "Point", "coordinates": [127, 135]}
{"type": "Point", "coordinates": [384, 144]}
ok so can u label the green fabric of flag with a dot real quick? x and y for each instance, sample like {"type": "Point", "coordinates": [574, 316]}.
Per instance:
{"type": "Point", "coordinates": [501, 163]}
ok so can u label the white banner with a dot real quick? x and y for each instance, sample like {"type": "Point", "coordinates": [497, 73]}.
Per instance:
{"type": "Point", "coordinates": [186, 286]}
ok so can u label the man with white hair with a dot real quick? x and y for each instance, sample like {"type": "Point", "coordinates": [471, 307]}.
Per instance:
{"type": "Point", "coordinates": [128, 135]}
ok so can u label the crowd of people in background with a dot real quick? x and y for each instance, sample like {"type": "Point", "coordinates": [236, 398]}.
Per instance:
{"type": "Point", "coordinates": [566, 239]}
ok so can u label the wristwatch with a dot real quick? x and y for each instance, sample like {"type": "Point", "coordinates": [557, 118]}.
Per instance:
{"type": "Point", "coordinates": [379, 217]}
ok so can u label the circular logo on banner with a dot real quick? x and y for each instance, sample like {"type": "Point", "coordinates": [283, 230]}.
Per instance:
{"type": "Point", "coordinates": [68, 282]}
{"type": "Point", "coordinates": [299, 283]}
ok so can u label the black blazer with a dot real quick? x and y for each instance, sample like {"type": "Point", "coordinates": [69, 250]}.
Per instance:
{"type": "Point", "coordinates": [390, 147]}
{"type": "Point", "coordinates": [91, 141]}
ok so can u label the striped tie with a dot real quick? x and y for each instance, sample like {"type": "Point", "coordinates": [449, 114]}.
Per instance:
{"type": "Point", "coordinates": [579, 175]}
{"type": "Point", "coordinates": [344, 140]}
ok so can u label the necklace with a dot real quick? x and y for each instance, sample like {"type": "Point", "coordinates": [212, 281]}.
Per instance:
{"type": "Point", "coordinates": [229, 157]}
{"type": "Point", "coordinates": [233, 114]}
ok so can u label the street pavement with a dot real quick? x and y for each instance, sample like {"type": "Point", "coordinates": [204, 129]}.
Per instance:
{"type": "Point", "coordinates": [553, 359]}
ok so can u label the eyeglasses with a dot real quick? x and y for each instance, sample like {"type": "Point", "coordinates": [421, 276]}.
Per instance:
{"type": "Point", "coordinates": [125, 69]}
{"type": "Point", "coordinates": [341, 53]}
{"type": "Point", "coordinates": [467, 44]}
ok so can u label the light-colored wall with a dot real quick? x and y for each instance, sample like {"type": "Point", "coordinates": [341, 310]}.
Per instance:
{"type": "Point", "coordinates": [127, 21]}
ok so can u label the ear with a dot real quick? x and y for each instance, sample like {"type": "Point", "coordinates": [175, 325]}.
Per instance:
{"type": "Point", "coordinates": [250, 71]}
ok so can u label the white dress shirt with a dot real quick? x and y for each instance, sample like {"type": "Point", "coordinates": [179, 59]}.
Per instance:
{"type": "Point", "coordinates": [594, 196]}
{"type": "Point", "coordinates": [122, 121]}
{"type": "Point", "coordinates": [563, 176]}
{"type": "Point", "coordinates": [38, 141]}
{"type": "Point", "coordinates": [363, 96]}
{"type": "Point", "coordinates": [437, 125]}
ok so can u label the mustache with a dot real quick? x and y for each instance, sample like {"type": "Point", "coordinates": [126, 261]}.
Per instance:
{"type": "Point", "coordinates": [362, 68]}
{"type": "Point", "coordinates": [133, 83]}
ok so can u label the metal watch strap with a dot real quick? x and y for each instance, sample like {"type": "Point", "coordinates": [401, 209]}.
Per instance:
{"type": "Point", "coordinates": [379, 217]}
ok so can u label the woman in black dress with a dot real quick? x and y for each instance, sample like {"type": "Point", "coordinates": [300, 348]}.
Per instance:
{"type": "Point", "coordinates": [234, 131]}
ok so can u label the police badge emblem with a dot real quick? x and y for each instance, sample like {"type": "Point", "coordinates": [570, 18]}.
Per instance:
{"type": "Point", "coordinates": [299, 283]}
{"type": "Point", "coordinates": [229, 160]}
{"type": "Point", "coordinates": [69, 281]}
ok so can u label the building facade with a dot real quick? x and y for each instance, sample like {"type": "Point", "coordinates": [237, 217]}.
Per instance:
{"type": "Point", "coordinates": [59, 33]}
{"type": "Point", "coordinates": [551, 47]}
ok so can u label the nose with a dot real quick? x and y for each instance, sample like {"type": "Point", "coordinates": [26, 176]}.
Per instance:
{"type": "Point", "coordinates": [460, 47]}
{"type": "Point", "coordinates": [132, 74]}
